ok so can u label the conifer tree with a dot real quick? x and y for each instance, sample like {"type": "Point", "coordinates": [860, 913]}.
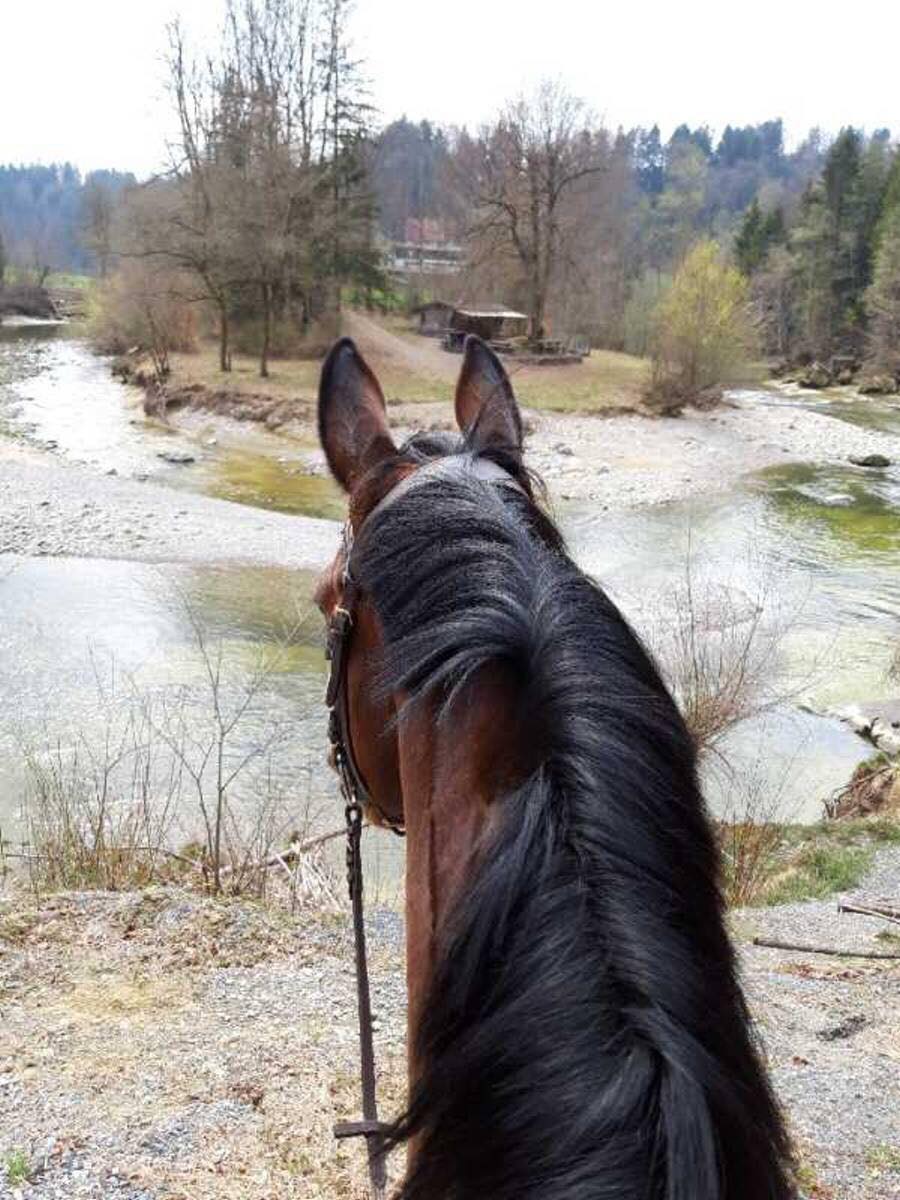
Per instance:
{"type": "Point", "coordinates": [883, 299]}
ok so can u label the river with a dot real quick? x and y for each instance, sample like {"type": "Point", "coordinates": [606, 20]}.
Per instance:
{"type": "Point", "coordinates": [86, 642]}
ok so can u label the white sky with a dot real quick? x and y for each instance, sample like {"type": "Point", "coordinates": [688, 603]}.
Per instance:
{"type": "Point", "coordinates": [82, 79]}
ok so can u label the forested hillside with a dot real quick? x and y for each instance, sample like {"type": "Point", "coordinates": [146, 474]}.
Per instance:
{"type": "Point", "coordinates": [49, 217]}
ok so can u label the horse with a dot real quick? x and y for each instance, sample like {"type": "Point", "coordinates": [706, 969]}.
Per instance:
{"type": "Point", "coordinates": [577, 1029]}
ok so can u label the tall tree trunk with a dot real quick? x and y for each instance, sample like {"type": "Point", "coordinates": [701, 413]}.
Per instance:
{"type": "Point", "coordinates": [267, 330]}
{"type": "Point", "coordinates": [224, 334]}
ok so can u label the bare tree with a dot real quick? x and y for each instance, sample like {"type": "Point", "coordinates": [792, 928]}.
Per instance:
{"type": "Point", "coordinates": [522, 176]}
{"type": "Point", "coordinates": [265, 203]}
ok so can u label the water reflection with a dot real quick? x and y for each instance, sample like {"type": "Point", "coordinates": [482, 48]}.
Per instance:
{"type": "Point", "coordinates": [80, 639]}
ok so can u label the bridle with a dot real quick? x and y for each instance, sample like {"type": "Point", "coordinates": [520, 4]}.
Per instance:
{"type": "Point", "coordinates": [337, 700]}
{"type": "Point", "coordinates": [356, 794]}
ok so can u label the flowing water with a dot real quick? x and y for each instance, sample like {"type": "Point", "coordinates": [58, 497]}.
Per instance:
{"type": "Point", "coordinates": [86, 643]}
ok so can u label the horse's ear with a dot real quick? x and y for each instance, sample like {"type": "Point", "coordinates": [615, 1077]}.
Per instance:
{"type": "Point", "coordinates": [486, 409]}
{"type": "Point", "coordinates": [353, 426]}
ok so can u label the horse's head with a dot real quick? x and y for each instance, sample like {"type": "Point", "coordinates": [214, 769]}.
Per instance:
{"type": "Point", "coordinates": [369, 466]}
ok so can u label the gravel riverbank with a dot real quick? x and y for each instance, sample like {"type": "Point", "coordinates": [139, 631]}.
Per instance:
{"type": "Point", "coordinates": [160, 1045]}
{"type": "Point", "coordinates": [49, 506]}
{"type": "Point", "coordinates": [628, 461]}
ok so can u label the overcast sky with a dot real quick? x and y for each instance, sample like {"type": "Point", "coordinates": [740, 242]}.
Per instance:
{"type": "Point", "coordinates": [83, 80]}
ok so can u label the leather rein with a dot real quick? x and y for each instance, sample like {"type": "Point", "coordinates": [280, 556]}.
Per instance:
{"type": "Point", "coordinates": [356, 794]}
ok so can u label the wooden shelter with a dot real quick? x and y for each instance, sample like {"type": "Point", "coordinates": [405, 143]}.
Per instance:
{"type": "Point", "coordinates": [492, 322]}
{"type": "Point", "coordinates": [434, 318]}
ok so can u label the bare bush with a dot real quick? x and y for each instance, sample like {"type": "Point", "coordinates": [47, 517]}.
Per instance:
{"type": "Point", "coordinates": [144, 305]}
{"type": "Point", "coordinates": [751, 830]}
{"type": "Point", "coordinates": [107, 807]}
{"type": "Point", "coordinates": [720, 653]}
{"type": "Point", "coordinates": [98, 813]}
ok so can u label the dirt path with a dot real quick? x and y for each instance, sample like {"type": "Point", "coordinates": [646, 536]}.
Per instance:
{"type": "Point", "coordinates": [385, 350]}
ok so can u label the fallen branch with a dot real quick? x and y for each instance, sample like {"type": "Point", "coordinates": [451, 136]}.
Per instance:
{"type": "Point", "coordinates": [808, 949]}
{"type": "Point", "coordinates": [872, 910]}
{"type": "Point", "coordinates": [294, 851]}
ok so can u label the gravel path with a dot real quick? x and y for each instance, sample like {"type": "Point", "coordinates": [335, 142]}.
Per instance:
{"type": "Point", "coordinates": [831, 1027]}
{"type": "Point", "coordinates": [159, 1045]}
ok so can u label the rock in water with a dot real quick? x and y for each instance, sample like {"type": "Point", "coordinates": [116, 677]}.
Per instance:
{"type": "Point", "coordinates": [870, 460]}
{"type": "Point", "coordinates": [180, 458]}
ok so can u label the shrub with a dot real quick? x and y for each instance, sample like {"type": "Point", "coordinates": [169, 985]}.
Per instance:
{"type": "Point", "coordinates": [704, 332]}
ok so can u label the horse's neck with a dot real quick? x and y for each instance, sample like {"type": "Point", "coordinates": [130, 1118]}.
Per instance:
{"type": "Point", "coordinates": [448, 781]}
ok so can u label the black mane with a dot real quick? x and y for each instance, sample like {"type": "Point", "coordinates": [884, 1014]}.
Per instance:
{"type": "Point", "coordinates": [585, 1037]}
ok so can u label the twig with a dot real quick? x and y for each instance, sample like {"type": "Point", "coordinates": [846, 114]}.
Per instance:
{"type": "Point", "coordinates": [872, 910]}
{"type": "Point", "coordinates": [807, 949]}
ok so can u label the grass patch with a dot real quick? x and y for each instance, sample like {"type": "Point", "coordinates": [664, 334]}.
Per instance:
{"type": "Point", "coordinates": [812, 1186]}
{"type": "Point", "coordinates": [816, 872]}
{"type": "Point", "coordinates": [56, 279]}
{"type": "Point", "coordinates": [17, 1166]}
{"type": "Point", "coordinates": [883, 1157]}
{"type": "Point", "coordinates": [605, 381]}
{"type": "Point", "coordinates": [768, 863]}
{"type": "Point", "coordinates": [289, 379]}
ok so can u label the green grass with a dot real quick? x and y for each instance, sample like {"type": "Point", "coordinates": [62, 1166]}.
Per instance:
{"type": "Point", "coordinates": [800, 862]}
{"type": "Point", "coordinates": [883, 1157]}
{"type": "Point", "coordinates": [818, 871]}
{"type": "Point", "coordinates": [881, 831]}
{"type": "Point", "coordinates": [17, 1167]}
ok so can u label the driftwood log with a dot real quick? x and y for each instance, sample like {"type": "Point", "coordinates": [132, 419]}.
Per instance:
{"type": "Point", "coordinates": [883, 912]}
{"type": "Point", "coordinates": [805, 948]}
